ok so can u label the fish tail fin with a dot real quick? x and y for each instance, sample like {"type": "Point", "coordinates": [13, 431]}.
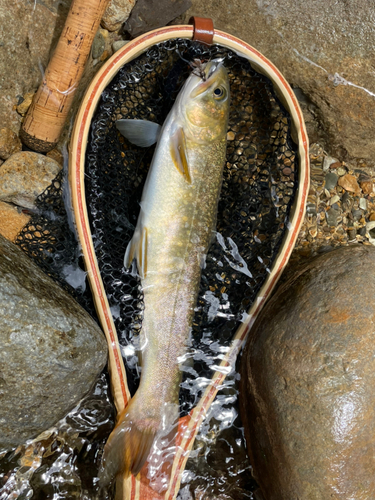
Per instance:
{"type": "Point", "coordinates": [128, 446]}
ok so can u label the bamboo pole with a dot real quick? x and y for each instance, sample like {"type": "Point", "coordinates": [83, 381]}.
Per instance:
{"type": "Point", "coordinates": [48, 111]}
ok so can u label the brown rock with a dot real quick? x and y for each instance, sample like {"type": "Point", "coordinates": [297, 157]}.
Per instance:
{"type": "Point", "coordinates": [23, 107]}
{"type": "Point", "coordinates": [56, 155]}
{"type": "Point", "coordinates": [372, 217]}
{"type": "Point", "coordinates": [9, 143]}
{"type": "Point", "coordinates": [349, 183]}
{"type": "Point", "coordinates": [24, 176]}
{"type": "Point", "coordinates": [322, 48]}
{"type": "Point", "coordinates": [117, 13]}
{"type": "Point", "coordinates": [12, 220]}
{"type": "Point", "coordinates": [367, 187]}
{"type": "Point", "coordinates": [308, 382]}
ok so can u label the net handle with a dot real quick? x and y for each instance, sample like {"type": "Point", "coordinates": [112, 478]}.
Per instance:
{"type": "Point", "coordinates": [203, 29]}
{"type": "Point", "coordinates": [47, 114]}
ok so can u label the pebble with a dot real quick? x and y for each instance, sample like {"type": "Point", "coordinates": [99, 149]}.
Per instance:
{"type": "Point", "coordinates": [334, 199]}
{"type": "Point", "coordinates": [349, 183]}
{"type": "Point", "coordinates": [328, 161]}
{"type": "Point", "coordinates": [331, 216]}
{"type": "Point", "coordinates": [363, 203]}
{"type": "Point", "coordinates": [330, 180]}
{"type": "Point", "coordinates": [119, 44]}
{"type": "Point", "coordinates": [10, 143]}
{"type": "Point", "coordinates": [341, 171]}
{"type": "Point", "coordinates": [12, 220]}
{"type": "Point", "coordinates": [98, 46]}
{"type": "Point", "coordinates": [24, 176]}
{"type": "Point", "coordinates": [23, 107]}
{"type": "Point", "coordinates": [357, 214]}
{"type": "Point", "coordinates": [367, 187]}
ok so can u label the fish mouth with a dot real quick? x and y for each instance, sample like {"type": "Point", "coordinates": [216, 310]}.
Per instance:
{"type": "Point", "coordinates": [205, 70]}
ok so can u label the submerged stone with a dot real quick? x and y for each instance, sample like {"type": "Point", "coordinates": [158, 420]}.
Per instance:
{"type": "Point", "coordinates": [308, 382]}
{"type": "Point", "coordinates": [51, 350]}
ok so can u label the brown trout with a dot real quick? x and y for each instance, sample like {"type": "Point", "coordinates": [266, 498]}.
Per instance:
{"type": "Point", "coordinates": [174, 229]}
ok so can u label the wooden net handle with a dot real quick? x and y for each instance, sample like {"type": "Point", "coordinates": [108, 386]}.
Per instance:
{"type": "Point", "coordinates": [47, 113]}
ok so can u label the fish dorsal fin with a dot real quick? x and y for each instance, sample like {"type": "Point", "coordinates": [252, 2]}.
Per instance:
{"type": "Point", "coordinates": [139, 132]}
{"type": "Point", "coordinates": [137, 249]}
{"type": "Point", "coordinates": [178, 154]}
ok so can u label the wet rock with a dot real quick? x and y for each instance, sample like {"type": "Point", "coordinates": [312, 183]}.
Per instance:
{"type": "Point", "coordinates": [51, 351]}
{"type": "Point", "coordinates": [117, 13]}
{"type": "Point", "coordinates": [330, 180]}
{"type": "Point", "coordinates": [349, 183]}
{"type": "Point", "coordinates": [308, 382]}
{"type": "Point", "coordinates": [24, 176]}
{"type": "Point", "coordinates": [151, 14]}
{"type": "Point", "coordinates": [322, 48]}
{"type": "Point", "coordinates": [10, 143]}
{"type": "Point", "coordinates": [12, 220]}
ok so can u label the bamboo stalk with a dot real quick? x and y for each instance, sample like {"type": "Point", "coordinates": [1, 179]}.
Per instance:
{"type": "Point", "coordinates": [48, 111]}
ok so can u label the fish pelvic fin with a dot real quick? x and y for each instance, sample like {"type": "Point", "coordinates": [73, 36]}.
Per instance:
{"type": "Point", "coordinates": [137, 249]}
{"type": "Point", "coordinates": [179, 154]}
{"type": "Point", "coordinates": [128, 447]}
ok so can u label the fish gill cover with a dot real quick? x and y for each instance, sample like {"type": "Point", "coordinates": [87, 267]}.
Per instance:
{"type": "Point", "coordinates": [259, 186]}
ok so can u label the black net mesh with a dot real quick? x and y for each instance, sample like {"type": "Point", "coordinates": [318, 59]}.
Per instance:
{"type": "Point", "coordinates": [258, 189]}
{"type": "Point", "coordinates": [259, 185]}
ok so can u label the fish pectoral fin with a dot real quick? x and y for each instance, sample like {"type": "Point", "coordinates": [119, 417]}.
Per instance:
{"type": "Point", "coordinates": [179, 154]}
{"type": "Point", "coordinates": [137, 249]}
{"type": "Point", "coordinates": [127, 447]}
{"type": "Point", "coordinates": [139, 132]}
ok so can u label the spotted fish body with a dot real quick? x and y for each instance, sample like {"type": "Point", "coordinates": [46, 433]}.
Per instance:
{"type": "Point", "coordinates": [170, 242]}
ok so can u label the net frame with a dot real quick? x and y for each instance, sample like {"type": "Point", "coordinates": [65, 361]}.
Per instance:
{"type": "Point", "coordinates": [132, 487]}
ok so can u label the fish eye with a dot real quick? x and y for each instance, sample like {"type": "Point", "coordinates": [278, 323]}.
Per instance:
{"type": "Point", "coordinates": [219, 93]}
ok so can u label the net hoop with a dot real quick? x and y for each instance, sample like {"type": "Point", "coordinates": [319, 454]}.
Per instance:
{"type": "Point", "coordinates": [134, 488]}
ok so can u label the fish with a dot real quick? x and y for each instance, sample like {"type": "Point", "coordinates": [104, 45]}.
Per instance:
{"type": "Point", "coordinates": [175, 227]}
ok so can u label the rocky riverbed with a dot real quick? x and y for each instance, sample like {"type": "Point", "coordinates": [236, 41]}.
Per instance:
{"type": "Point", "coordinates": [323, 50]}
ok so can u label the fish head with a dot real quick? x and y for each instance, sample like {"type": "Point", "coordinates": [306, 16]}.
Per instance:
{"type": "Point", "coordinates": [204, 103]}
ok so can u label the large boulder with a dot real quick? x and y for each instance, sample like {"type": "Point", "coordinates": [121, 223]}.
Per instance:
{"type": "Point", "coordinates": [308, 382]}
{"type": "Point", "coordinates": [51, 350]}
{"type": "Point", "coordinates": [323, 49]}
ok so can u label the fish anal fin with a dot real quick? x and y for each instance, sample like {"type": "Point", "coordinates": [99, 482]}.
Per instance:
{"type": "Point", "coordinates": [128, 447]}
{"type": "Point", "coordinates": [179, 154]}
{"type": "Point", "coordinates": [137, 249]}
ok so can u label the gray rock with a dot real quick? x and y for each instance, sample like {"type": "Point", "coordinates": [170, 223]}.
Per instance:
{"type": "Point", "coordinates": [330, 181]}
{"type": "Point", "coordinates": [323, 48]}
{"type": "Point", "coordinates": [331, 216]}
{"type": "Point", "coordinates": [51, 351]}
{"type": "Point", "coordinates": [24, 176]}
{"type": "Point", "coordinates": [308, 382]}
{"type": "Point", "coordinates": [98, 46]}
